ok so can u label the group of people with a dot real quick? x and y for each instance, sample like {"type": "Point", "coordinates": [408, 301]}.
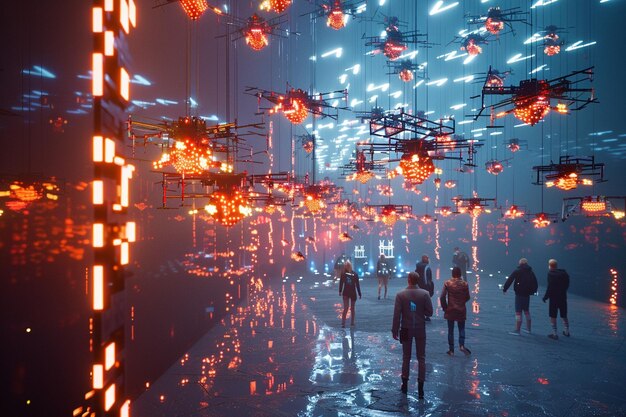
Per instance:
{"type": "Point", "coordinates": [413, 306]}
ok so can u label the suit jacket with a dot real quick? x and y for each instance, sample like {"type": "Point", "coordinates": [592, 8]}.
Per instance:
{"type": "Point", "coordinates": [412, 304]}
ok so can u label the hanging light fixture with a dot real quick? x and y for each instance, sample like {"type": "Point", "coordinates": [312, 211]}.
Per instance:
{"type": "Point", "coordinates": [389, 215]}
{"type": "Point", "coordinates": [336, 18]}
{"type": "Point", "coordinates": [416, 167]}
{"type": "Point", "coordinates": [194, 8]}
{"type": "Point", "coordinates": [228, 208]}
{"type": "Point", "coordinates": [513, 212]}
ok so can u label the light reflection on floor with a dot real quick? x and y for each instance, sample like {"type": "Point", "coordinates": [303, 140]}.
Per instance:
{"type": "Point", "coordinates": [284, 353]}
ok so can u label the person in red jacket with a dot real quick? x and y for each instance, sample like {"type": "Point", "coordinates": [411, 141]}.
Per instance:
{"type": "Point", "coordinates": [348, 288]}
{"type": "Point", "coordinates": [454, 295]}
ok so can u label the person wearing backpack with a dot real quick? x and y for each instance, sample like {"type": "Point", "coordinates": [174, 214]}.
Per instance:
{"type": "Point", "coordinates": [461, 260]}
{"type": "Point", "coordinates": [426, 277]}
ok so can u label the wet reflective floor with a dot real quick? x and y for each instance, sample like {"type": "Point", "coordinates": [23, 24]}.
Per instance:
{"type": "Point", "coordinates": [284, 353]}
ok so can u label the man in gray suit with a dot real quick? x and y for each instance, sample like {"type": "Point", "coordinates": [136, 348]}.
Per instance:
{"type": "Point", "coordinates": [412, 306]}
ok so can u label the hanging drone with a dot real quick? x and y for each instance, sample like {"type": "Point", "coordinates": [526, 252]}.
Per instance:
{"type": "Point", "coordinates": [496, 19]}
{"type": "Point", "coordinates": [394, 43]}
{"type": "Point", "coordinates": [406, 70]}
{"type": "Point", "coordinates": [570, 172]}
{"type": "Point", "coordinates": [338, 12]}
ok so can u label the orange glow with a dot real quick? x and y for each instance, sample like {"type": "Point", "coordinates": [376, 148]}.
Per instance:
{"type": "Point", "coordinates": [124, 254]}
{"type": "Point", "coordinates": [279, 6]}
{"type": "Point", "coordinates": [513, 212]}
{"type": "Point", "coordinates": [531, 110]}
{"type": "Point", "coordinates": [406, 75]}
{"type": "Point", "coordinates": [194, 8]}
{"type": "Point", "coordinates": [97, 19]}
{"type": "Point", "coordinates": [98, 150]}
{"type": "Point", "coordinates": [389, 216]}
{"type": "Point", "coordinates": [552, 50]}
{"type": "Point", "coordinates": [416, 167]}
{"type": "Point", "coordinates": [613, 297]}
{"type": "Point", "coordinates": [494, 25]}
{"type": "Point", "coordinates": [109, 150]}
{"type": "Point", "coordinates": [541, 221]}
{"type": "Point", "coordinates": [543, 381]}
{"type": "Point", "coordinates": [132, 13]}
{"type": "Point", "coordinates": [297, 112]}
{"type": "Point", "coordinates": [108, 5]}
{"type": "Point", "coordinates": [127, 174]}
{"type": "Point", "coordinates": [393, 50]}
{"type": "Point", "coordinates": [109, 43]}
{"type": "Point", "coordinates": [186, 157]}
{"type": "Point", "coordinates": [98, 192]}
{"type": "Point", "coordinates": [98, 287]}
{"type": "Point", "coordinates": [472, 47]}
{"type": "Point", "coordinates": [98, 376]}
{"type": "Point", "coordinates": [98, 235]}
{"type": "Point", "coordinates": [593, 205]}
{"type": "Point", "coordinates": [97, 68]}
{"type": "Point", "coordinates": [562, 108]}
{"type": "Point", "coordinates": [228, 209]}
{"type": "Point", "coordinates": [336, 19]}
{"type": "Point", "coordinates": [125, 409]}
{"type": "Point", "coordinates": [109, 397]}
{"type": "Point", "coordinates": [567, 181]}
{"type": "Point", "coordinates": [109, 356]}
{"type": "Point", "coordinates": [124, 16]}
{"type": "Point", "coordinates": [450, 184]}
{"type": "Point", "coordinates": [131, 231]}
{"type": "Point", "coordinates": [256, 39]}
{"type": "Point", "coordinates": [252, 387]}
{"type": "Point", "coordinates": [124, 84]}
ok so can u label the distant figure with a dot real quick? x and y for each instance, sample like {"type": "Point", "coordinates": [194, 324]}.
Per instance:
{"type": "Point", "coordinates": [382, 272]}
{"type": "Point", "coordinates": [525, 285]}
{"type": "Point", "coordinates": [426, 277]}
{"type": "Point", "coordinates": [348, 288]}
{"type": "Point", "coordinates": [454, 295]}
{"type": "Point", "coordinates": [461, 260]}
{"type": "Point", "coordinates": [558, 283]}
{"type": "Point", "coordinates": [412, 305]}
{"type": "Point", "coordinates": [339, 263]}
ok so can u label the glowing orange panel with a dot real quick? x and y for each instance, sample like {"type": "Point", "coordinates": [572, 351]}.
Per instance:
{"type": "Point", "coordinates": [109, 356]}
{"type": "Point", "coordinates": [131, 231]}
{"type": "Point", "coordinates": [109, 150]}
{"type": "Point", "coordinates": [98, 376]}
{"type": "Point", "coordinates": [109, 43]}
{"type": "Point", "coordinates": [125, 409]}
{"type": "Point", "coordinates": [109, 397]}
{"type": "Point", "coordinates": [108, 5]}
{"type": "Point", "coordinates": [98, 155]}
{"type": "Point", "coordinates": [97, 16]}
{"type": "Point", "coordinates": [98, 235]}
{"type": "Point", "coordinates": [124, 18]}
{"type": "Point", "coordinates": [124, 84]}
{"type": "Point", "coordinates": [98, 192]}
{"type": "Point", "coordinates": [124, 254]}
{"type": "Point", "coordinates": [132, 13]}
{"type": "Point", "coordinates": [98, 287]}
{"type": "Point", "coordinates": [97, 69]}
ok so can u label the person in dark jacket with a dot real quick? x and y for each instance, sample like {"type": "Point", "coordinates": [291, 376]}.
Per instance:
{"type": "Point", "coordinates": [525, 285]}
{"type": "Point", "coordinates": [454, 295]}
{"type": "Point", "coordinates": [411, 306]}
{"type": "Point", "coordinates": [558, 283]}
{"type": "Point", "coordinates": [426, 277]}
{"type": "Point", "coordinates": [461, 260]}
{"type": "Point", "coordinates": [348, 288]}
{"type": "Point", "coordinates": [382, 273]}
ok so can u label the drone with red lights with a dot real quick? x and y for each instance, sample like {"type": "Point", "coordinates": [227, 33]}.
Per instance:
{"type": "Point", "coordinates": [337, 11]}
{"type": "Point", "coordinates": [194, 9]}
{"type": "Point", "coordinates": [406, 70]}
{"type": "Point", "coordinates": [496, 19]}
{"type": "Point", "coordinates": [189, 145]}
{"type": "Point", "coordinates": [513, 212]}
{"type": "Point", "coordinates": [515, 144]}
{"type": "Point", "coordinates": [255, 30]}
{"type": "Point", "coordinates": [277, 6]}
{"type": "Point", "coordinates": [473, 206]}
{"type": "Point", "coordinates": [363, 167]}
{"type": "Point", "coordinates": [551, 41]}
{"type": "Point", "coordinates": [531, 101]}
{"type": "Point", "coordinates": [570, 172]}
{"type": "Point", "coordinates": [394, 43]}
{"type": "Point", "coordinates": [296, 104]}
{"type": "Point", "coordinates": [541, 220]}
{"type": "Point", "coordinates": [594, 206]}
{"type": "Point", "coordinates": [388, 214]}
{"type": "Point", "coordinates": [493, 78]}
{"type": "Point", "coordinates": [496, 166]}
{"type": "Point", "coordinates": [471, 41]}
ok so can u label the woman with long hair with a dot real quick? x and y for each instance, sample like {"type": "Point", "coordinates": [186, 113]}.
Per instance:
{"type": "Point", "coordinates": [348, 288]}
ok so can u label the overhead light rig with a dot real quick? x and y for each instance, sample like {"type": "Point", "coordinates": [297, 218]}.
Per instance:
{"type": "Point", "coordinates": [570, 172]}
{"type": "Point", "coordinates": [395, 42]}
{"type": "Point", "coordinates": [594, 206]}
{"type": "Point", "coordinates": [388, 214]}
{"type": "Point", "coordinates": [406, 70]}
{"type": "Point", "coordinates": [337, 12]}
{"type": "Point", "coordinates": [532, 100]}
{"type": "Point", "coordinates": [296, 104]}
{"type": "Point", "coordinates": [496, 19]}
{"type": "Point", "coordinates": [400, 124]}
{"type": "Point", "coordinates": [474, 206]}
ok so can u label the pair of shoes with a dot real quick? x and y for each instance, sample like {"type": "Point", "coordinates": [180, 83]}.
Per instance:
{"type": "Point", "coordinates": [420, 390]}
{"type": "Point", "coordinates": [553, 336]}
{"type": "Point", "coordinates": [566, 333]}
{"type": "Point", "coordinates": [465, 350]}
{"type": "Point", "coordinates": [526, 331]}
{"type": "Point", "coordinates": [450, 352]}
{"type": "Point", "coordinates": [514, 333]}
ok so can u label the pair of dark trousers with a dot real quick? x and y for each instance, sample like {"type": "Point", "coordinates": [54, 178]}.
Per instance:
{"type": "Point", "coordinates": [461, 325]}
{"type": "Point", "coordinates": [420, 352]}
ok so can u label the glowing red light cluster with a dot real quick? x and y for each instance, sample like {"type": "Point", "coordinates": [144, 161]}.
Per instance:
{"type": "Point", "coordinates": [336, 19]}
{"type": "Point", "coordinates": [256, 38]}
{"type": "Point", "coordinates": [494, 167]}
{"type": "Point", "coordinates": [494, 25]}
{"type": "Point", "coordinates": [531, 110]}
{"type": "Point", "coordinates": [393, 50]}
{"type": "Point", "coordinates": [344, 237]}
{"type": "Point", "coordinates": [297, 111]}
{"type": "Point", "coordinates": [314, 203]}
{"type": "Point", "coordinates": [472, 47]}
{"type": "Point", "coordinates": [194, 8]}
{"type": "Point", "coordinates": [613, 297]}
{"type": "Point", "coordinates": [416, 168]}
{"type": "Point", "coordinates": [541, 221]}
{"type": "Point", "coordinates": [594, 204]}
{"type": "Point", "coordinates": [186, 157]}
{"type": "Point", "coordinates": [388, 215]}
{"type": "Point", "coordinates": [406, 75]}
{"type": "Point", "coordinates": [228, 208]}
{"type": "Point", "coordinates": [551, 44]}
{"type": "Point", "coordinates": [279, 6]}
{"type": "Point", "coordinates": [445, 211]}
{"type": "Point", "coordinates": [551, 50]}
{"type": "Point", "coordinates": [513, 212]}
{"type": "Point", "coordinates": [494, 81]}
